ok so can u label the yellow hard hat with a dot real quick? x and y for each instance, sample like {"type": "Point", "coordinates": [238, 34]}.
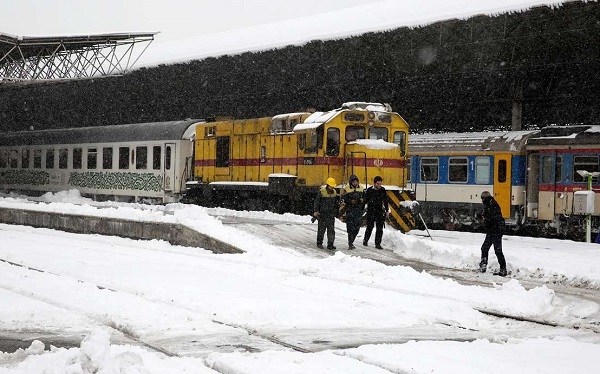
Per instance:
{"type": "Point", "coordinates": [331, 182]}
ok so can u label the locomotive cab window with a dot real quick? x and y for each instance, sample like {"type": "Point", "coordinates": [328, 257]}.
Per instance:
{"type": "Point", "coordinates": [333, 142]}
{"type": "Point", "coordinates": [458, 170]}
{"type": "Point", "coordinates": [430, 167]}
{"type": "Point", "coordinates": [587, 163]}
{"type": "Point", "coordinates": [400, 139]}
{"type": "Point", "coordinates": [355, 132]}
{"type": "Point", "coordinates": [314, 140]}
{"type": "Point", "coordinates": [378, 133]}
{"type": "Point", "coordinates": [482, 170]}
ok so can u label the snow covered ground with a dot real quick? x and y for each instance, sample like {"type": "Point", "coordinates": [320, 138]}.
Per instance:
{"type": "Point", "coordinates": [151, 307]}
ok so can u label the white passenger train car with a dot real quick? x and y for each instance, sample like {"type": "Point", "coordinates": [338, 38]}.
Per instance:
{"type": "Point", "coordinates": [136, 162]}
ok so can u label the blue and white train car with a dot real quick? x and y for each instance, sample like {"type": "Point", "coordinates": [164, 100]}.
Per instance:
{"type": "Point", "coordinates": [449, 171]}
{"type": "Point", "coordinates": [136, 162]}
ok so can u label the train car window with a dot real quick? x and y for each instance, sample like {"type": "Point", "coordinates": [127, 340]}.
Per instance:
{"type": "Point", "coordinates": [384, 118]}
{"type": "Point", "coordinates": [37, 158]}
{"type": "Point", "coordinates": [314, 140]}
{"type": "Point", "coordinates": [482, 170]}
{"type": "Point", "coordinates": [278, 126]}
{"type": "Point", "coordinates": [458, 170]}
{"type": "Point", "coordinates": [430, 167]}
{"type": "Point", "coordinates": [502, 171]}
{"type": "Point", "coordinates": [141, 160]}
{"type": "Point", "coordinates": [558, 169]}
{"type": "Point", "coordinates": [408, 170]}
{"type": "Point", "coordinates": [3, 159]}
{"type": "Point", "coordinates": [123, 158]}
{"type": "Point", "coordinates": [355, 132]}
{"type": "Point", "coordinates": [168, 154]}
{"type": "Point", "coordinates": [301, 141]}
{"type": "Point", "coordinates": [547, 167]}
{"type": "Point", "coordinates": [222, 152]}
{"type": "Point", "coordinates": [50, 158]}
{"type": "Point", "coordinates": [25, 159]}
{"type": "Point", "coordinates": [400, 139]}
{"type": "Point", "coordinates": [378, 133]}
{"type": "Point", "coordinates": [333, 142]}
{"type": "Point", "coordinates": [14, 159]}
{"type": "Point", "coordinates": [354, 117]}
{"type": "Point", "coordinates": [92, 158]}
{"type": "Point", "coordinates": [156, 156]}
{"type": "Point", "coordinates": [587, 163]}
{"type": "Point", "coordinates": [77, 158]}
{"type": "Point", "coordinates": [292, 124]}
{"type": "Point", "coordinates": [107, 158]}
{"type": "Point", "coordinates": [63, 158]}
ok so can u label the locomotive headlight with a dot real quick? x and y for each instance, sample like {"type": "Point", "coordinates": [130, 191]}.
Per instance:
{"type": "Point", "coordinates": [371, 123]}
{"type": "Point", "coordinates": [371, 115]}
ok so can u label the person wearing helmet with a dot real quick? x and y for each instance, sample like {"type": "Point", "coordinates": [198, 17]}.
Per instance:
{"type": "Point", "coordinates": [494, 227]}
{"type": "Point", "coordinates": [353, 201]}
{"type": "Point", "coordinates": [326, 209]}
{"type": "Point", "coordinates": [377, 211]}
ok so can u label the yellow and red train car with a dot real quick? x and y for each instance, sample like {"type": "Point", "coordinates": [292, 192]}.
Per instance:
{"type": "Point", "coordinates": [279, 163]}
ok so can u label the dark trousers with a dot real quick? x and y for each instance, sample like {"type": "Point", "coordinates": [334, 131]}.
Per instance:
{"type": "Point", "coordinates": [353, 225]}
{"type": "Point", "coordinates": [495, 239]}
{"type": "Point", "coordinates": [326, 223]}
{"type": "Point", "coordinates": [378, 222]}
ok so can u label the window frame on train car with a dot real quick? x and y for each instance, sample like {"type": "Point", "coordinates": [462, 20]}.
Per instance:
{"type": "Point", "coordinates": [92, 158]}
{"type": "Point", "coordinates": [25, 158]}
{"type": "Point", "coordinates": [301, 141]}
{"type": "Point", "coordinates": [401, 142]}
{"type": "Point", "coordinates": [435, 162]}
{"type": "Point", "coordinates": [376, 130]}
{"type": "Point", "coordinates": [50, 158]}
{"type": "Point", "coordinates": [123, 158]}
{"type": "Point", "coordinates": [546, 166]}
{"type": "Point", "coordinates": [333, 142]}
{"type": "Point", "coordinates": [156, 157]}
{"type": "Point", "coordinates": [478, 170]}
{"type": "Point", "coordinates": [63, 158]}
{"type": "Point", "coordinates": [591, 166]}
{"type": "Point", "coordinates": [558, 169]}
{"type": "Point", "coordinates": [107, 158]}
{"type": "Point", "coordinates": [354, 132]}
{"type": "Point", "coordinates": [463, 166]}
{"type": "Point", "coordinates": [13, 159]}
{"type": "Point", "coordinates": [77, 154]}
{"type": "Point", "coordinates": [37, 158]}
{"type": "Point", "coordinates": [315, 140]}
{"type": "Point", "coordinates": [141, 157]}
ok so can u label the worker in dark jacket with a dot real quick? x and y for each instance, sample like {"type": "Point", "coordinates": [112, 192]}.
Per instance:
{"type": "Point", "coordinates": [377, 211]}
{"type": "Point", "coordinates": [353, 201]}
{"type": "Point", "coordinates": [326, 209]}
{"type": "Point", "coordinates": [494, 227]}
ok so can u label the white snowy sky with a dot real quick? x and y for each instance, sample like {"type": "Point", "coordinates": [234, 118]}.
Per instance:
{"type": "Point", "coordinates": [189, 300]}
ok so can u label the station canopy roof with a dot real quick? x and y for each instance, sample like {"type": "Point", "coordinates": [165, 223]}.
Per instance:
{"type": "Point", "coordinates": [28, 59]}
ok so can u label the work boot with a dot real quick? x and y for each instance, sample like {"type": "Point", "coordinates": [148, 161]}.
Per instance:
{"type": "Point", "coordinates": [378, 246]}
{"type": "Point", "coordinates": [365, 243]}
{"type": "Point", "coordinates": [483, 265]}
{"type": "Point", "coordinates": [351, 246]}
{"type": "Point", "coordinates": [501, 272]}
{"type": "Point", "coordinates": [320, 246]}
{"type": "Point", "coordinates": [331, 247]}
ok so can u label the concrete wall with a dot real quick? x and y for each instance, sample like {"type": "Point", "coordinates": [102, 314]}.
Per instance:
{"type": "Point", "coordinates": [173, 233]}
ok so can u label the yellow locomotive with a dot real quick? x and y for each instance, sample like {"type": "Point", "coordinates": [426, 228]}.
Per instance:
{"type": "Point", "coordinates": [279, 163]}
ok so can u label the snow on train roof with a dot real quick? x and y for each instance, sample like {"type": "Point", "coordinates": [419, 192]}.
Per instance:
{"type": "Point", "coordinates": [510, 141]}
{"type": "Point", "coordinates": [172, 130]}
{"type": "Point", "coordinates": [567, 135]}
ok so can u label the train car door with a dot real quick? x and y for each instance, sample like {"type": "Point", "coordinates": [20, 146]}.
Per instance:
{"type": "Point", "coordinates": [502, 182]}
{"type": "Point", "coordinates": [169, 167]}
